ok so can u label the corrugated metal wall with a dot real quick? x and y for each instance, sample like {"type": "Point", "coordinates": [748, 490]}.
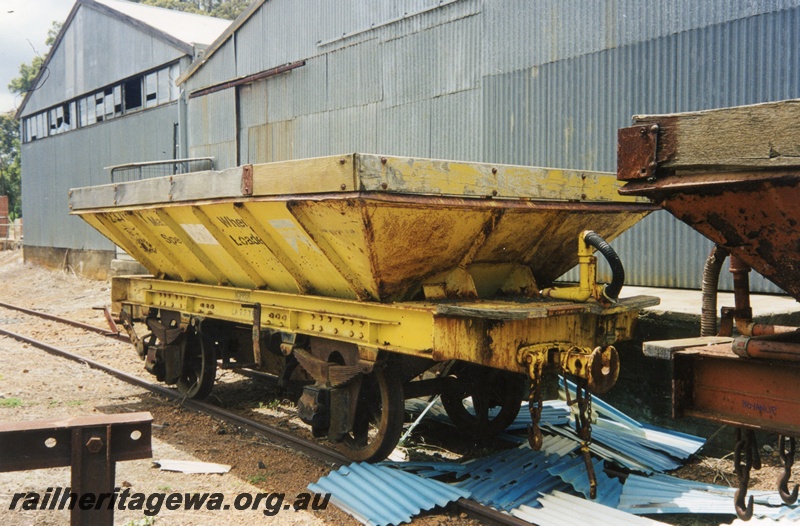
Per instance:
{"type": "Point", "coordinates": [543, 83]}
{"type": "Point", "coordinates": [97, 50]}
{"type": "Point", "coordinates": [51, 169]}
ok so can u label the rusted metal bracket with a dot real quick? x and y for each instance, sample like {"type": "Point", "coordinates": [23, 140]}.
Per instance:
{"type": "Point", "coordinates": [91, 445]}
{"type": "Point", "coordinates": [636, 152]}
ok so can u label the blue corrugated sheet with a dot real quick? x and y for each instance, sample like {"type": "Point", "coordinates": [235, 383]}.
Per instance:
{"type": "Point", "coordinates": [402, 495]}
{"type": "Point", "coordinates": [554, 412]}
{"type": "Point", "coordinates": [622, 439]}
{"type": "Point", "coordinates": [665, 494]}
{"type": "Point", "coordinates": [519, 478]}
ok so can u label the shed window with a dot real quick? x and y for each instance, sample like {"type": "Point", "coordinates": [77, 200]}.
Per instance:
{"type": "Point", "coordinates": [163, 85]}
{"type": "Point", "coordinates": [99, 106]}
{"type": "Point", "coordinates": [59, 121]}
{"type": "Point", "coordinates": [29, 133]}
{"type": "Point", "coordinates": [53, 124]}
{"type": "Point", "coordinates": [133, 94]}
{"type": "Point", "coordinates": [70, 116]}
{"type": "Point", "coordinates": [41, 124]}
{"type": "Point", "coordinates": [108, 96]}
{"type": "Point", "coordinates": [91, 110]}
{"type": "Point", "coordinates": [117, 101]}
{"type": "Point", "coordinates": [151, 90]}
{"type": "Point", "coordinates": [82, 113]}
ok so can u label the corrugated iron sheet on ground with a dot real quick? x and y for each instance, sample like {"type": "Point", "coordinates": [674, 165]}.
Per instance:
{"type": "Point", "coordinates": [616, 436]}
{"type": "Point", "coordinates": [401, 495]}
{"type": "Point", "coordinates": [508, 479]}
{"type": "Point", "coordinates": [561, 509]}
{"type": "Point", "coordinates": [665, 494]}
{"type": "Point", "coordinates": [636, 446]}
{"type": "Point", "coordinates": [554, 412]}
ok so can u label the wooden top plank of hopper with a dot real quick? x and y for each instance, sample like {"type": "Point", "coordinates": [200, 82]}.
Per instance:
{"type": "Point", "coordinates": [358, 173]}
{"type": "Point", "coordinates": [742, 138]}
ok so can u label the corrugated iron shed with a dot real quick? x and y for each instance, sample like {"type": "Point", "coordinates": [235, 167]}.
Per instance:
{"type": "Point", "coordinates": [509, 81]}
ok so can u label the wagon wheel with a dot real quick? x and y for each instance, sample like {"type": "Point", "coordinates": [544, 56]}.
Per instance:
{"type": "Point", "coordinates": [199, 368]}
{"type": "Point", "coordinates": [378, 420]}
{"type": "Point", "coordinates": [488, 388]}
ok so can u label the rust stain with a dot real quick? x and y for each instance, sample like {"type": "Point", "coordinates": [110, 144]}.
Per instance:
{"type": "Point", "coordinates": [636, 152]}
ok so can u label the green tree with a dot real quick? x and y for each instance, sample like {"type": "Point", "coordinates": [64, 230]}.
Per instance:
{"type": "Point", "coordinates": [52, 33]}
{"type": "Point", "coordinates": [10, 164]}
{"type": "Point", "coordinates": [10, 168]}
{"type": "Point", "coordinates": [27, 74]}
{"type": "Point", "coordinates": [228, 9]}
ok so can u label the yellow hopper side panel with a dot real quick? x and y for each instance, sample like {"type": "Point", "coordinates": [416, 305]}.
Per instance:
{"type": "Point", "coordinates": [393, 231]}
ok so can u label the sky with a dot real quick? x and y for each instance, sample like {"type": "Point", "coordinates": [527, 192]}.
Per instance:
{"type": "Point", "coordinates": [23, 28]}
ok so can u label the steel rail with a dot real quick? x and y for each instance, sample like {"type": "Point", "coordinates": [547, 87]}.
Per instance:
{"type": "Point", "coordinates": [67, 321]}
{"type": "Point", "coordinates": [311, 448]}
{"type": "Point", "coordinates": [277, 436]}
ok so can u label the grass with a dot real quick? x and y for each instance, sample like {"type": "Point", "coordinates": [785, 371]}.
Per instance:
{"type": "Point", "coordinates": [257, 479]}
{"type": "Point", "coordinates": [10, 402]}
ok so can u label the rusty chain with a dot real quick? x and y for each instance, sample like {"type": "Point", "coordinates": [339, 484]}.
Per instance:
{"type": "Point", "coordinates": [535, 438]}
{"type": "Point", "coordinates": [583, 426]}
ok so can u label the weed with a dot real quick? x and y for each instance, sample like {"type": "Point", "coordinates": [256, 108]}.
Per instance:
{"type": "Point", "coordinates": [257, 479]}
{"type": "Point", "coordinates": [10, 402]}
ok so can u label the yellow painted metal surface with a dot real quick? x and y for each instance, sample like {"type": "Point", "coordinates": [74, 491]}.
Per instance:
{"type": "Point", "coordinates": [363, 226]}
{"type": "Point", "coordinates": [484, 332]}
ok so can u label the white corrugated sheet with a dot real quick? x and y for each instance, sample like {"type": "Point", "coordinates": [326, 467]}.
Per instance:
{"type": "Point", "coordinates": [186, 27]}
{"type": "Point", "coordinates": [561, 509]}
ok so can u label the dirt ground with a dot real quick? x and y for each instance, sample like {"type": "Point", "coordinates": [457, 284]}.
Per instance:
{"type": "Point", "coordinates": [36, 385]}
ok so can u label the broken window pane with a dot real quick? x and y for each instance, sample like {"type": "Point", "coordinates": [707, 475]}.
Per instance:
{"type": "Point", "coordinates": [59, 121]}
{"type": "Point", "coordinates": [151, 90]}
{"type": "Point", "coordinates": [108, 96]}
{"type": "Point", "coordinates": [117, 101]}
{"type": "Point", "coordinates": [133, 94]}
{"type": "Point", "coordinates": [99, 105]}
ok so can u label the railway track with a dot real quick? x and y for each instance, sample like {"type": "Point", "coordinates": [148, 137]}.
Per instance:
{"type": "Point", "coordinates": [271, 433]}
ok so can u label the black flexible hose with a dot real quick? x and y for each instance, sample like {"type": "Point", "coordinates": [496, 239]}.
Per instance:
{"type": "Point", "coordinates": [613, 289]}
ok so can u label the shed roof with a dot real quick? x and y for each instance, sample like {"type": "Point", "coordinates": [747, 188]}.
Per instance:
{"type": "Point", "coordinates": [176, 28]}
{"type": "Point", "coordinates": [189, 28]}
